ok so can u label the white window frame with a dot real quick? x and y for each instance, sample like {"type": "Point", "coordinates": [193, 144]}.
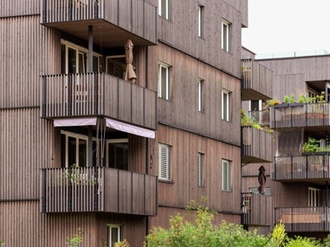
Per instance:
{"type": "Point", "coordinates": [110, 227]}
{"type": "Point", "coordinates": [164, 163]}
{"type": "Point", "coordinates": [167, 82]}
{"type": "Point", "coordinates": [160, 9]}
{"type": "Point", "coordinates": [200, 21]}
{"type": "Point", "coordinates": [201, 95]}
{"type": "Point", "coordinates": [225, 35]}
{"type": "Point", "coordinates": [201, 176]}
{"type": "Point", "coordinates": [314, 196]}
{"type": "Point", "coordinates": [225, 105]}
{"type": "Point", "coordinates": [78, 137]}
{"type": "Point", "coordinates": [79, 51]}
{"type": "Point", "coordinates": [226, 175]}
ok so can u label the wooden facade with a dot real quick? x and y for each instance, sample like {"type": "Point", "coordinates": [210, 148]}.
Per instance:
{"type": "Point", "coordinates": [34, 90]}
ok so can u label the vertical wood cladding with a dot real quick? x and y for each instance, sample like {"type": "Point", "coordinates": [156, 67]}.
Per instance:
{"type": "Point", "coordinates": [25, 145]}
{"type": "Point", "coordinates": [19, 7]}
{"type": "Point", "coordinates": [184, 171]}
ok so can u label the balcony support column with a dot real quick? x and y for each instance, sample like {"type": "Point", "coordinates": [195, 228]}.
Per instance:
{"type": "Point", "coordinates": [90, 49]}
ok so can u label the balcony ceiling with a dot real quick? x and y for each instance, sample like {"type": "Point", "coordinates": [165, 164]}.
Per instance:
{"type": "Point", "coordinates": [105, 34]}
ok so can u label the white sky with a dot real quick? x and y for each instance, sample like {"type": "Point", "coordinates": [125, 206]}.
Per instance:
{"type": "Point", "coordinates": [287, 26]}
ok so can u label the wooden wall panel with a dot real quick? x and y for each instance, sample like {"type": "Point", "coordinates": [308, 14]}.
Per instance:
{"type": "Point", "coordinates": [184, 159]}
{"type": "Point", "coordinates": [182, 110]}
{"type": "Point", "coordinates": [25, 145]}
{"type": "Point", "coordinates": [181, 32]}
{"type": "Point", "coordinates": [19, 7]}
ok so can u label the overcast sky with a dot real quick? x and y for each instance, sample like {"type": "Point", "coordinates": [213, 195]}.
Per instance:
{"type": "Point", "coordinates": [287, 26]}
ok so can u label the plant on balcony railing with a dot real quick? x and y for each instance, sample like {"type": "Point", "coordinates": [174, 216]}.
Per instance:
{"type": "Point", "coordinates": [314, 146]}
{"type": "Point", "coordinates": [251, 122]}
{"type": "Point", "coordinates": [76, 176]}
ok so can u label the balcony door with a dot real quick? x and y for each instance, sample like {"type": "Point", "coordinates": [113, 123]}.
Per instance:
{"type": "Point", "coordinates": [314, 196]}
{"type": "Point", "coordinates": [117, 153]}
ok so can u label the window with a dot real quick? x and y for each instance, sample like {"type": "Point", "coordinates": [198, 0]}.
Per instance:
{"type": "Point", "coordinates": [163, 8]}
{"type": "Point", "coordinates": [164, 81]}
{"type": "Point", "coordinates": [200, 95]}
{"type": "Point", "coordinates": [201, 170]}
{"type": "Point", "coordinates": [74, 149]}
{"type": "Point", "coordinates": [116, 65]}
{"type": "Point", "coordinates": [117, 153]}
{"type": "Point", "coordinates": [226, 175]}
{"type": "Point", "coordinates": [200, 20]}
{"type": "Point", "coordinates": [114, 235]}
{"type": "Point", "coordinates": [314, 196]}
{"type": "Point", "coordinates": [225, 36]}
{"type": "Point", "coordinates": [225, 106]}
{"type": "Point", "coordinates": [164, 162]}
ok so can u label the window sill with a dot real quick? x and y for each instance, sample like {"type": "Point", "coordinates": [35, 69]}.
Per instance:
{"type": "Point", "coordinates": [165, 181]}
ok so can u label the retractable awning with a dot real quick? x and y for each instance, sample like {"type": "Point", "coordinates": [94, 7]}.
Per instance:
{"type": "Point", "coordinates": [70, 122]}
{"type": "Point", "coordinates": [128, 128]}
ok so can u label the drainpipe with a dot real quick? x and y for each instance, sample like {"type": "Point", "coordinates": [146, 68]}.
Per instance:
{"type": "Point", "coordinates": [90, 49]}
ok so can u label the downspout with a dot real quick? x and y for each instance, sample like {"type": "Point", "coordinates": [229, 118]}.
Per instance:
{"type": "Point", "coordinates": [147, 139]}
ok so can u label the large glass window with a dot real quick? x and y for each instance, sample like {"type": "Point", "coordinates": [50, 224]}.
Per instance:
{"type": "Point", "coordinates": [74, 149]}
{"type": "Point", "coordinates": [117, 154]}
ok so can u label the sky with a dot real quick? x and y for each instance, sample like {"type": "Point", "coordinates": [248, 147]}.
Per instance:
{"type": "Point", "coordinates": [277, 26]}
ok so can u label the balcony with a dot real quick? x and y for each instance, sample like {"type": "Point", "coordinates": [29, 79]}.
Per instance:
{"type": "Point", "coordinates": [257, 210]}
{"type": "Point", "coordinates": [299, 115]}
{"type": "Point", "coordinates": [256, 146]}
{"type": "Point", "coordinates": [65, 190]}
{"type": "Point", "coordinates": [114, 21]}
{"type": "Point", "coordinates": [256, 81]}
{"type": "Point", "coordinates": [304, 219]}
{"type": "Point", "coordinates": [304, 167]}
{"type": "Point", "coordinates": [79, 95]}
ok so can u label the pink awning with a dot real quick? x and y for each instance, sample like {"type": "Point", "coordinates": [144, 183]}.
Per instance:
{"type": "Point", "coordinates": [70, 122]}
{"type": "Point", "coordinates": [131, 129]}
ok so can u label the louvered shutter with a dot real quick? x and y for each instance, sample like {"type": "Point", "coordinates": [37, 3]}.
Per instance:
{"type": "Point", "coordinates": [200, 170]}
{"type": "Point", "coordinates": [164, 161]}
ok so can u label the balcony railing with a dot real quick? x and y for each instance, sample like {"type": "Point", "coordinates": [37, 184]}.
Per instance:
{"type": "Point", "coordinates": [65, 190]}
{"type": "Point", "coordinates": [304, 219]}
{"type": "Point", "coordinates": [256, 145]}
{"type": "Point", "coordinates": [301, 167]}
{"type": "Point", "coordinates": [256, 81]}
{"type": "Point", "coordinates": [299, 115]}
{"type": "Point", "coordinates": [76, 95]}
{"type": "Point", "coordinates": [137, 17]}
{"type": "Point", "coordinates": [257, 209]}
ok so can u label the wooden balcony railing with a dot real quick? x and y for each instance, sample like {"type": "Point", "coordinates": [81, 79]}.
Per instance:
{"type": "Point", "coordinates": [299, 115]}
{"type": "Point", "coordinates": [301, 167]}
{"type": "Point", "coordinates": [66, 190]}
{"type": "Point", "coordinates": [256, 81]}
{"type": "Point", "coordinates": [257, 209]}
{"type": "Point", "coordinates": [304, 219]}
{"type": "Point", "coordinates": [77, 95]}
{"type": "Point", "coordinates": [256, 145]}
{"type": "Point", "coordinates": [138, 17]}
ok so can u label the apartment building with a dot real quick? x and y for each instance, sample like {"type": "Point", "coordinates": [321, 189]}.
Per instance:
{"type": "Point", "coordinates": [84, 145]}
{"type": "Point", "coordinates": [299, 175]}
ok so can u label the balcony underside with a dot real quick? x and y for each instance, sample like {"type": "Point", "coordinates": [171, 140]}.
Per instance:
{"type": "Point", "coordinates": [308, 219]}
{"type": "Point", "coordinates": [251, 94]}
{"type": "Point", "coordinates": [105, 34]}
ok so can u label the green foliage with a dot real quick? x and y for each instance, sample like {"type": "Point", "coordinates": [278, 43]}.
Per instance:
{"type": "Point", "coordinates": [76, 239]}
{"type": "Point", "coordinates": [1, 243]}
{"type": "Point", "coordinates": [250, 121]}
{"type": "Point", "coordinates": [123, 243]}
{"type": "Point", "coordinates": [278, 236]}
{"type": "Point", "coordinates": [302, 242]}
{"type": "Point", "coordinates": [312, 145]}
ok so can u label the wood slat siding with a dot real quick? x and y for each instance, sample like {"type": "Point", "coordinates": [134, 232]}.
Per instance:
{"type": "Point", "coordinates": [256, 81]}
{"type": "Point", "coordinates": [182, 34]}
{"type": "Point", "coordinates": [301, 167]}
{"type": "Point", "coordinates": [184, 160]}
{"type": "Point", "coordinates": [77, 95]}
{"type": "Point", "coordinates": [138, 17]}
{"type": "Point", "coordinates": [257, 209]}
{"type": "Point", "coordinates": [304, 219]}
{"type": "Point", "coordinates": [10, 8]}
{"type": "Point", "coordinates": [182, 110]}
{"type": "Point", "coordinates": [299, 115]}
{"type": "Point", "coordinates": [256, 145]}
{"type": "Point", "coordinates": [25, 144]}
{"type": "Point", "coordinates": [76, 190]}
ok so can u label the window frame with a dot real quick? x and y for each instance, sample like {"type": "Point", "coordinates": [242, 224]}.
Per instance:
{"type": "Point", "coordinates": [225, 35]}
{"type": "Point", "coordinates": [167, 82]}
{"type": "Point", "coordinates": [201, 176]}
{"type": "Point", "coordinates": [200, 21]}
{"type": "Point", "coordinates": [113, 141]}
{"type": "Point", "coordinates": [226, 175]}
{"type": "Point", "coordinates": [200, 95]}
{"type": "Point", "coordinates": [226, 105]}
{"type": "Point", "coordinates": [119, 236]}
{"type": "Point", "coordinates": [160, 9]}
{"type": "Point", "coordinates": [167, 148]}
